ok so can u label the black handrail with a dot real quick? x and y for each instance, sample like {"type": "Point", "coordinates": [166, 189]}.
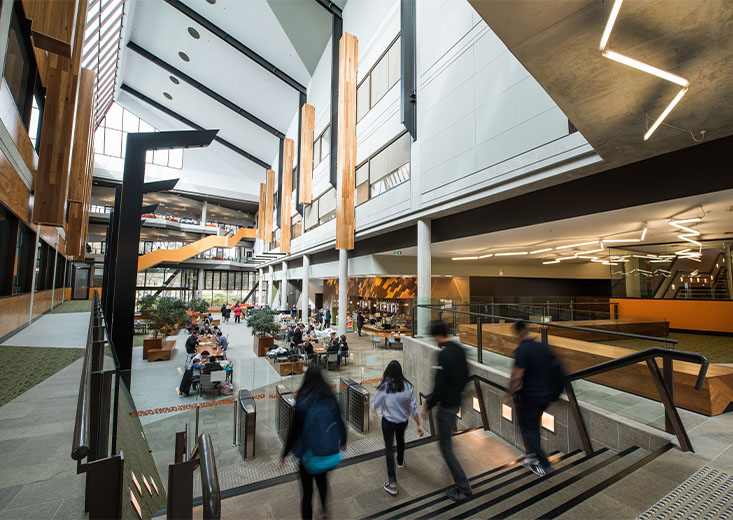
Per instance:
{"type": "Point", "coordinates": [209, 479]}
{"type": "Point", "coordinates": [643, 355]}
{"type": "Point", "coordinates": [549, 324]}
{"type": "Point", "coordinates": [80, 445]}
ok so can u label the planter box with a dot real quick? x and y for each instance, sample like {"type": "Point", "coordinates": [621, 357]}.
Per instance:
{"type": "Point", "coordinates": [151, 343]}
{"type": "Point", "coordinates": [261, 344]}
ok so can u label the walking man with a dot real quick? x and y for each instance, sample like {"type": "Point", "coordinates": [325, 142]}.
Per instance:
{"type": "Point", "coordinates": [359, 322]}
{"type": "Point", "coordinates": [450, 379]}
{"type": "Point", "coordinates": [532, 362]}
{"type": "Point", "coordinates": [327, 319]}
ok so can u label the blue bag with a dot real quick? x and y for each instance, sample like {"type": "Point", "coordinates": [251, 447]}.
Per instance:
{"type": "Point", "coordinates": [323, 434]}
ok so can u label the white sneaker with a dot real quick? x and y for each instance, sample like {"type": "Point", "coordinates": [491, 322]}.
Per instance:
{"type": "Point", "coordinates": [401, 465]}
{"type": "Point", "coordinates": [390, 488]}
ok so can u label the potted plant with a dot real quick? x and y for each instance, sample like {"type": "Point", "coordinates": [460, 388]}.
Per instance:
{"type": "Point", "coordinates": [262, 324]}
{"type": "Point", "coordinates": [198, 305]}
{"type": "Point", "coordinates": [163, 315]}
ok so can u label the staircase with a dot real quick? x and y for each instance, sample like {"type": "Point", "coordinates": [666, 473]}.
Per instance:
{"type": "Point", "coordinates": [720, 289]}
{"type": "Point", "coordinates": [511, 491]}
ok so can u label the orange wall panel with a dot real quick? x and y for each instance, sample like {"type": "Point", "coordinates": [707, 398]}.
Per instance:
{"type": "Point", "coordinates": [701, 315]}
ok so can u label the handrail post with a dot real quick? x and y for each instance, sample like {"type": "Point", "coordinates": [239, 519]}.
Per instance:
{"type": "Point", "coordinates": [479, 341]}
{"type": "Point", "coordinates": [481, 405]}
{"type": "Point", "coordinates": [669, 408]}
{"type": "Point", "coordinates": [209, 480]}
{"type": "Point", "coordinates": [668, 370]}
{"type": "Point", "coordinates": [543, 335]}
{"type": "Point", "coordinates": [579, 423]}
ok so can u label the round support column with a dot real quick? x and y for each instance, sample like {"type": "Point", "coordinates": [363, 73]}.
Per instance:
{"type": "Point", "coordinates": [305, 294]}
{"type": "Point", "coordinates": [424, 271]}
{"type": "Point", "coordinates": [343, 277]}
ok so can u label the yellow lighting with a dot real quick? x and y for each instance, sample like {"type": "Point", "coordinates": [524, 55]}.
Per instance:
{"type": "Point", "coordinates": [578, 245]}
{"type": "Point", "coordinates": [609, 263]}
{"type": "Point", "coordinates": [464, 258]}
{"type": "Point", "coordinates": [621, 240]}
{"type": "Point", "coordinates": [137, 484]}
{"type": "Point", "coordinates": [664, 114]}
{"type": "Point", "coordinates": [513, 253]}
{"type": "Point", "coordinates": [540, 251]}
{"type": "Point", "coordinates": [506, 412]}
{"type": "Point", "coordinates": [566, 258]}
{"type": "Point", "coordinates": [551, 262]}
{"type": "Point", "coordinates": [548, 422]}
{"type": "Point", "coordinates": [486, 256]}
{"type": "Point", "coordinates": [645, 67]}
{"type": "Point", "coordinates": [643, 234]}
{"type": "Point", "coordinates": [609, 24]}
{"type": "Point", "coordinates": [476, 406]}
{"type": "Point", "coordinates": [588, 257]}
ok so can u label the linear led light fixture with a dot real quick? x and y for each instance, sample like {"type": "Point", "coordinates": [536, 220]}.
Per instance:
{"type": "Point", "coordinates": [464, 258]}
{"type": "Point", "coordinates": [567, 258]}
{"type": "Point", "coordinates": [609, 24]}
{"type": "Point", "coordinates": [588, 257]}
{"type": "Point", "coordinates": [551, 262]}
{"type": "Point", "coordinates": [578, 245]}
{"type": "Point", "coordinates": [664, 114]}
{"type": "Point", "coordinates": [645, 67]}
{"type": "Point", "coordinates": [486, 256]}
{"type": "Point", "coordinates": [540, 251]}
{"type": "Point", "coordinates": [621, 240]}
{"type": "Point", "coordinates": [643, 234]}
{"type": "Point", "coordinates": [513, 253]}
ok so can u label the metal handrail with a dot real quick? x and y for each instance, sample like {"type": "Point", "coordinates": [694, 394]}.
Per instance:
{"type": "Point", "coordinates": [209, 479]}
{"type": "Point", "coordinates": [548, 324]}
{"type": "Point", "coordinates": [80, 444]}
{"type": "Point", "coordinates": [643, 355]}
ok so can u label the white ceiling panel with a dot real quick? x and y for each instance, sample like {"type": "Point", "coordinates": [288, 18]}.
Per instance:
{"type": "Point", "coordinates": [253, 23]}
{"type": "Point", "coordinates": [192, 104]}
{"type": "Point", "coordinates": [212, 63]}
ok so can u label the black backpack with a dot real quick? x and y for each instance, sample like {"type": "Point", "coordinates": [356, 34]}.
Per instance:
{"type": "Point", "coordinates": [557, 377]}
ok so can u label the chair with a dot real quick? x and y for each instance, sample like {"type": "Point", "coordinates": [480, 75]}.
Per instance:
{"type": "Point", "coordinates": [211, 381]}
{"type": "Point", "coordinates": [344, 356]}
{"type": "Point", "coordinates": [332, 357]}
{"type": "Point", "coordinates": [377, 341]}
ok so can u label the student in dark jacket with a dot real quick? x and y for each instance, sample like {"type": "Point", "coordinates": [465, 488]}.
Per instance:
{"type": "Point", "coordinates": [359, 322]}
{"type": "Point", "coordinates": [450, 379]}
{"type": "Point", "coordinates": [297, 339]}
{"type": "Point", "coordinates": [313, 393]}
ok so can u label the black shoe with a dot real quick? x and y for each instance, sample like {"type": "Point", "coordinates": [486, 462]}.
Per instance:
{"type": "Point", "coordinates": [456, 495]}
{"type": "Point", "coordinates": [390, 488]}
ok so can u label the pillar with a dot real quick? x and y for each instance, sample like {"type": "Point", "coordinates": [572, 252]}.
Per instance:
{"type": "Point", "coordinates": [305, 293]}
{"type": "Point", "coordinates": [202, 281]}
{"type": "Point", "coordinates": [343, 299]}
{"type": "Point", "coordinates": [34, 275]}
{"type": "Point", "coordinates": [424, 271]}
{"type": "Point", "coordinates": [260, 285]}
{"type": "Point", "coordinates": [204, 209]}
{"type": "Point", "coordinates": [284, 287]}
{"type": "Point", "coordinates": [271, 276]}
{"type": "Point", "coordinates": [55, 260]}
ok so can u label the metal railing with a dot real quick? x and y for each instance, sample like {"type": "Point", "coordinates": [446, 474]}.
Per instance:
{"type": "Point", "coordinates": [90, 441]}
{"type": "Point", "coordinates": [180, 479]}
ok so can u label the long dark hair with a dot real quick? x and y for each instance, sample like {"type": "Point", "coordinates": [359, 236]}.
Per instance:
{"type": "Point", "coordinates": [314, 385]}
{"type": "Point", "coordinates": [393, 380]}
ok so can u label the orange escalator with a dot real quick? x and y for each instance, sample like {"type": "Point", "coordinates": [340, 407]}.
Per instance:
{"type": "Point", "coordinates": [192, 249]}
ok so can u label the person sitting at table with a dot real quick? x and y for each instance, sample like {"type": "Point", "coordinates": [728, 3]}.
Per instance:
{"type": "Point", "coordinates": [334, 343]}
{"type": "Point", "coordinates": [297, 338]}
{"type": "Point", "coordinates": [207, 329]}
{"type": "Point", "coordinates": [199, 360]}
{"type": "Point", "coordinates": [222, 341]}
{"type": "Point", "coordinates": [212, 366]}
{"type": "Point", "coordinates": [343, 348]}
{"type": "Point", "coordinates": [192, 342]}
{"type": "Point", "coordinates": [289, 334]}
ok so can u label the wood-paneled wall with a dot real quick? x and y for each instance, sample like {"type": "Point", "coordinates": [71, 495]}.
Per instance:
{"type": "Point", "coordinates": [13, 192]}
{"type": "Point", "coordinates": [54, 24]}
{"type": "Point", "coordinates": [269, 204]}
{"type": "Point", "coordinates": [51, 179]}
{"type": "Point", "coordinates": [286, 197]}
{"type": "Point", "coordinates": [305, 153]}
{"type": "Point", "coordinates": [14, 310]}
{"type": "Point", "coordinates": [346, 158]}
{"type": "Point", "coordinates": [261, 212]}
{"type": "Point", "coordinates": [15, 127]}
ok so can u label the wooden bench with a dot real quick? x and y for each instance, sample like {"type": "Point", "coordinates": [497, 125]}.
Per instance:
{"type": "Point", "coordinates": [286, 368]}
{"type": "Point", "coordinates": [163, 353]}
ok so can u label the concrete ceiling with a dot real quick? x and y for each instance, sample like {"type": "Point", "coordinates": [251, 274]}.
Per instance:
{"type": "Point", "coordinates": [557, 41]}
{"type": "Point", "coordinates": [716, 210]}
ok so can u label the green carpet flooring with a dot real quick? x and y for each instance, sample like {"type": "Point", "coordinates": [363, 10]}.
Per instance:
{"type": "Point", "coordinates": [73, 306]}
{"type": "Point", "coordinates": [718, 349]}
{"type": "Point", "coordinates": [30, 366]}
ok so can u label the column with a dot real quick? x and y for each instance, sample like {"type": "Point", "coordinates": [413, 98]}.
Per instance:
{"type": "Point", "coordinates": [424, 268]}
{"type": "Point", "coordinates": [204, 209]}
{"type": "Point", "coordinates": [271, 276]}
{"type": "Point", "coordinates": [284, 287]}
{"type": "Point", "coordinates": [305, 293]}
{"type": "Point", "coordinates": [260, 285]}
{"type": "Point", "coordinates": [202, 281]}
{"type": "Point", "coordinates": [343, 299]}
{"type": "Point", "coordinates": [34, 275]}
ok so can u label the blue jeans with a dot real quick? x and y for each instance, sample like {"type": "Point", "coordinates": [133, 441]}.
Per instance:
{"type": "Point", "coordinates": [446, 422]}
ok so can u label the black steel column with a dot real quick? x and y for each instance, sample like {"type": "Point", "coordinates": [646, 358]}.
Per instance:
{"type": "Point", "coordinates": [128, 236]}
{"type": "Point", "coordinates": [336, 32]}
{"type": "Point", "coordinates": [298, 205]}
{"type": "Point", "coordinates": [408, 46]}
{"type": "Point", "coordinates": [280, 182]}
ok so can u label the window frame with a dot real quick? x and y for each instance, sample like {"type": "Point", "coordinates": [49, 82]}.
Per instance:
{"type": "Point", "coordinates": [368, 77]}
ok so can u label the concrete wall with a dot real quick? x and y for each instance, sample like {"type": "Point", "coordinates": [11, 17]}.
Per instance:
{"type": "Point", "coordinates": [605, 429]}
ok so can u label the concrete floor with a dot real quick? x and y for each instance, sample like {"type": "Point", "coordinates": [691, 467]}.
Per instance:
{"type": "Point", "coordinates": [63, 330]}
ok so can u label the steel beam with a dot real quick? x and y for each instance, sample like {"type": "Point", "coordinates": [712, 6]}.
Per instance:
{"type": "Point", "coordinates": [205, 90]}
{"type": "Point", "coordinates": [236, 44]}
{"type": "Point", "coordinates": [145, 99]}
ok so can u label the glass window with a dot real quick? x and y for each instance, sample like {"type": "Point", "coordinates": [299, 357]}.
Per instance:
{"type": "Point", "coordinates": [394, 63]}
{"type": "Point", "coordinates": [112, 142]}
{"type": "Point", "coordinates": [175, 158]}
{"type": "Point", "coordinates": [130, 122]}
{"type": "Point", "coordinates": [391, 180]}
{"type": "Point", "coordinates": [326, 142]}
{"type": "Point", "coordinates": [19, 69]}
{"type": "Point", "coordinates": [317, 151]}
{"type": "Point", "coordinates": [160, 157]}
{"type": "Point", "coordinates": [362, 99]}
{"type": "Point", "coordinates": [380, 80]}
{"type": "Point", "coordinates": [113, 119]}
{"type": "Point", "coordinates": [390, 159]}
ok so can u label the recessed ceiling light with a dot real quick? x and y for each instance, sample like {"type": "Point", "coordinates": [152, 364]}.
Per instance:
{"type": "Point", "coordinates": [175, 80]}
{"type": "Point", "coordinates": [168, 96]}
{"type": "Point", "coordinates": [184, 56]}
{"type": "Point", "coordinates": [194, 33]}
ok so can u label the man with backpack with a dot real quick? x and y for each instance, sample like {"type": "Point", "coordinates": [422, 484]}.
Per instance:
{"type": "Point", "coordinates": [537, 379]}
{"type": "Point", "coordinates": [450, 379]}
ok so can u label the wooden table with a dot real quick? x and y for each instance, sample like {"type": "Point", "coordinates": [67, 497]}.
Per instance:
{"type": "Point", "coordinates": [211, 347]}
{"type": "Point", "coordinates": [286, 368]}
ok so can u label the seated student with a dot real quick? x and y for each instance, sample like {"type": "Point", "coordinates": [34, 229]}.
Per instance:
{"type": "Point", "coordinates": [222, 340]}
{"type": "Point", "coordinates": [333, 344]}
{"type": "Point", "coordinates": [191, 342]}
{"type": "Point", "coordinates": [289, 335]}
{"type": "Point", "coordinates": [297, 338]}
{"type": "Point", "coordinates": [343, 347]}
{"type": "Point", "coordinates": [207, 329]}
{"type": "Point", "coordinates": [212, 366]}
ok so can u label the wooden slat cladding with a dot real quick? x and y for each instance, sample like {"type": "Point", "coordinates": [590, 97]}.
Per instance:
{"type": "Point", "coordinates": [54, 26]}
{"type": "Point", "coordinates": [261, 212]}
{"type": "Point", "coordinates": [308, 121]}
{"type": "Point", "coordinates": [82, 135]}
{"type": "Point", "coordinates": [346, 157]}
{"type": "Point", "coordinates": [52, 177]}
{"type": "Point", "coordinates": [286, 195]}
{"type": "Point", "coordinates": [74, 229]}
{"type": "Point", "coordinates": [269, 202]}
{"type": "Point", "coordinates": [13, 192]}
{"type": "Point", "coordinates": [14, 124]}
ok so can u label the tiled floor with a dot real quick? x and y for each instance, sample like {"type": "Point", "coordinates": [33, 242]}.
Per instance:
{"type": "Point", "coordinates": [54, 330]}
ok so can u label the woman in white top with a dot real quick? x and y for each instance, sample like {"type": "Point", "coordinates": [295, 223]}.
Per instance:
{"type": "Point", "coordinates": [396, 398]}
